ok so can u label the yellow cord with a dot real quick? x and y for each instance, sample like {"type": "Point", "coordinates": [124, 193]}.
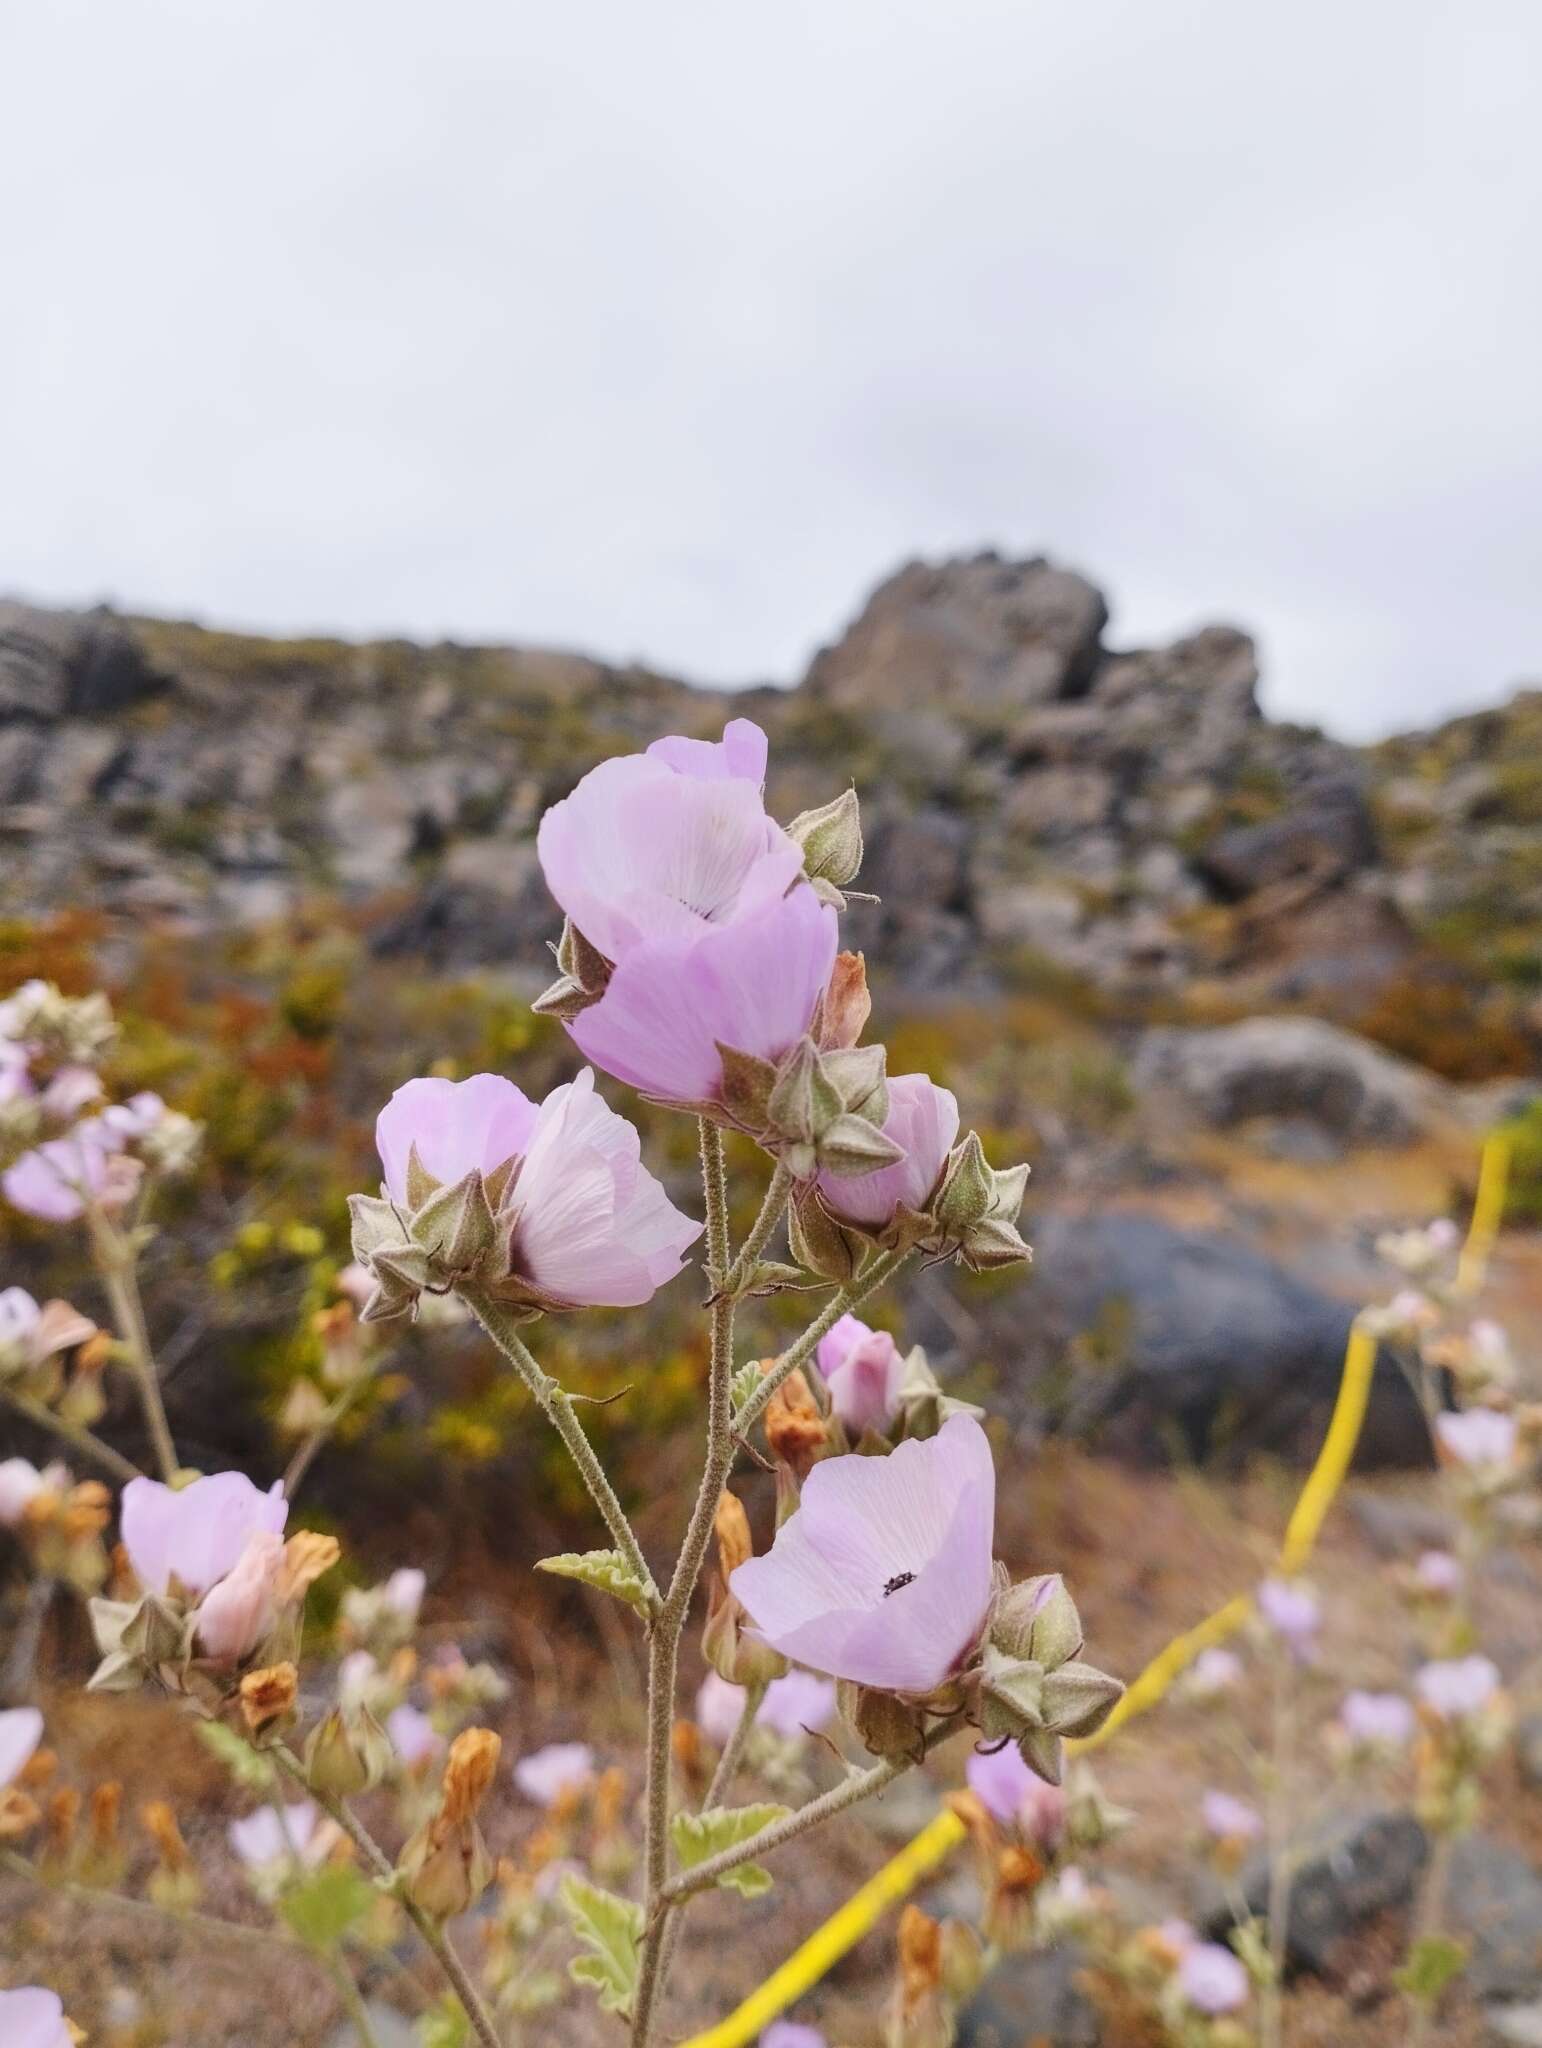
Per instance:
{"type": "Point", "coordinates": [844, 1929]}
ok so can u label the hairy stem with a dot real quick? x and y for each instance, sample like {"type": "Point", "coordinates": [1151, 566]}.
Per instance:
{"type": "Point", "coordinates": [435, 1937]}
{"type": "Point", "coordinates": [856, 1291]}
{"type": "Point", "coordinates": [116, 1263]}
{"type": "Point", "coordinates": [733, 1750]}
{"type": "Point", "coordinates": [307, 1452]}
{"type": "Point", "coordinates": [850, 1792]}
{"type": "Point", "coordinates": [208, 1925]}
{"type": "Point", "coordinates": [557, 1406]}
{"type": "Point", "coordinates": [82, 1439]}
{"type": "Point", "coordinates": [772, 1210]}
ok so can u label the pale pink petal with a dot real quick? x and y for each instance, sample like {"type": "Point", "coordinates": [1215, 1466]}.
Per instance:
{"type": "Point", "coordinates": [21, 1730]}
{"type": "Point", "coordinates": [923, 1119]}
{"type": "Point", "coordinates": [20, 1484]}
{"type": "Point", "coordinates": [742, 751]}
{"type": "Point", "coordinates": [865, 1381]}
{"type": "Point", "coordinates": [751, 985]}
{"type": "Point", "coordinates": [457, 1126]}
{"type": "Point", "coordinates": [413, 1736]}
{"type": "Point", "coordinates": [237, 1612]}
{"type": "Point", "coordinates": [719, 1704]}
{"type": "Point", "coordinates": [798, 1703]}
{"type": "Point", "coordinates": [547, 1774]}
{"type": "Point", "coordinates": [262, 1837]}
{"type": "Point", "coordinates": [197, 1533]}
{"type": "Point", "coordinates": [33, 2018]}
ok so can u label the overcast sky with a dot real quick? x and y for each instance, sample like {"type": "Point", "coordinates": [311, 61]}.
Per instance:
{"type": "Point", "coordinates": [664, 328]}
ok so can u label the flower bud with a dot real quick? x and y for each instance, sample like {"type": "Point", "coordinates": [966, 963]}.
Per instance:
{"type": "Point", "coordinates": [920, 2015]}
{"type": "Point", "coordinates": [796, 1432]}
{"type": "Point", "coordinates": [831, 839]}
{"type": "Point", "coordinates": [976, 1208]}
{"type": "Point", "coordinates": [240, 1611]}
{"type": "Point", "coordinates": [1037, 1620]}
{"type": "Point", "coordinates": [845, 1006]}
{"type": "Point", "coordinates": [348, 1752]}
{"type": "Point", "coordinates": [445, 1867]}
{"type": "Point", "coordinates": [268, 1698]}
{"type": "Point", "coordinates": [1078, 1699]}
{"type": "Point", "coordinates": [584, 973]}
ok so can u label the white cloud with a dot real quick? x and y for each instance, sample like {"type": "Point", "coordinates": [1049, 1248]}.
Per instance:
{"type": "Point", "coordinates": [663, 330]}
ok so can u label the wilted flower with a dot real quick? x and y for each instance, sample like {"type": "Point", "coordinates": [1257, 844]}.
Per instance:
{"type": "Point", "coordinates": [883, 1574]}
{"type": "Point", "coordinates": [1376, 1720]}
{"type": "Point", "coordinates": [552, 1774]}
{"type": "Point", "coordinates": [413, 1736]}
{"type": "Point", "coordinates": [1014, 1794]}
{"type": "Point", "coordinates": [21, 1730]}
{"type": "Point", "coordinates": [1482, 1439]}
{"type": "Point", "coordinates": [1229, 1819]}
{"type": "Point", "coordinates": [1211, 1979]}
{"type": "Point", "coordinates": [196, 1535]}
{"type": "Point", "coordinates": [863, 1370]}
{"type": "Point", "coordinates": [1458, 1688]}
{"type": "Point", "coordinates": [551, 1205]}
{"type": "Point", "coordinates": [33, 2018]}
{"type": "Point", "coordinates": [1291, 1611]}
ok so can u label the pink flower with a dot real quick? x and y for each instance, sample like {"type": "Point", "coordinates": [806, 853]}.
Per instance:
{"type": "Point", "coordinates": [719, 1703]}
{"type": "Point", "coordinates": [356, 1282]}
{"type": "Point", "coordinates": [1229, 1819]}
{"type": "Point", "coordinates": [588, 1224]}
{"type": "Point", "coordinates": [1015, 1794]}
{"type": "Point", "coordinates": [413, 1736]}
{"type": "Point", "coordinates": [32, 2018]}
{"type": "Point", "coordinates": [196, 1534]}
{"type": "Point", "coordinates": [751, 984]}
{"type": "Point", "coordinates": [1377, 1720]}
{"type": "Point", "coordinates": [1291, 1611]}
{"type": "Point", "coordinates": [21, 1483]}
{"type": "Point", "coordinates": [15, 1079]}
{"type": "Point", "coordinates": [862, 1368]}
{"type": "Point", "coordinates": [262, 1839]}
{"type": "Point", "coordinates": [547, 1774]}
{"type": "Point", "coordinates": [667, 844]}
{"type": "Point", "coordinates": [1483, 1439]}
{"type": "Point", "coordinates": [240, 1610]}
{"type": "Point", "coordinates": [21, 1730]}
{"type": "Point", "coordinates": [1212, 1979]}
{"type": "Point", "coordinates": [1214, 1671]}
{"type": "Point", "coordinates": [788, 2034]}
{"type": "Point", "coordinates": [56, 1180]}
{"type": "Point", "coordinates": [1438, 1572]}
{"type": "Point", "coordinates": [70, 1091]}
{"type": "Point", "coordinates": [137, 1117]}
{"type": "Point", "coordinates": [1458, 1688]}
{"type": "Point", "coordinates": [883, 1574]}
{"type": "Point", "coordinates": [923, 1119]}
{"type": "Point", "coordinates": [19, 1320]}
{"type": "Point", "coordinates": [403, 1592]}
{"type": "Point", "coordinates": [797, 1703]}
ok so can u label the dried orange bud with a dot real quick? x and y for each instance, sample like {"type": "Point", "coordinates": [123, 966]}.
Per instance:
{"type": "Point", "coordinates": [976, 1816]}
{"type": "Point", "coordinates": [61, 1814]}
{"type": "Point", "coordinates": [920, 1955]}
{"type": "Point", "coordinates": [94, 1353]}
{"type": "Point", "coordinates": [685, 1747]}
{"type": "Point", "coordinates": [468, 1772]}
{"type": "Point", "coordinates": [87, 1509]}
{"type": "Point", "coordinates": [731, 1526]}
{"type": "Point", "coordinates": [609, 1798]}
{"type": "Point", "coordinates": [795, 1429]}
{"type": "Point", "coordinates": [846, 1004]}
{"type": "Point", "coordinates": [106, 1805]}
{"type": "Point", "coordinates": [1018, 1870]}
{"type": "Point", "coordinates": [306, 1557]}
{"type": "Point", "coordinates": [160, 1824]}
{"type": "Point", "coordinates": [38, 1768]}
{"type": "Point", "coordinates": [18, 1815]}
{"type": "Point", "coordinates": [268, 1696]}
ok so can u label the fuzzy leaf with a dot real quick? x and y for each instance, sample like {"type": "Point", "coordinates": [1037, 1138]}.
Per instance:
{"type": "Point", "coordinates": [607, 1571]}
{"type": "Point", "coordinates": [745, 1381]}
{"type": "Point", "coordinates": [252, 1772]}
{"type": "Point", "coordinates": [611, 1929]}
{"type": "Point", "coordinates": [1432, 1963]}
{"type": "Point", "coordinates": [326, 1904]}
{"type": "Point", "coordinates": [698, 1836]}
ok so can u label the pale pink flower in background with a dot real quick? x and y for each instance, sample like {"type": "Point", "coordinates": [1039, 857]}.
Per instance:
{"type": "Point", "coordinates": [197, 1534]}
{"type": "Point", "coordinates": [137, 1117]}
{"type": "Point", "coordinates": [752, 984]}
{"type": "Point", "coordinates": [862, 1368]}
{"type": "Point", "coordinates": [263, 1839]}
{"type": "Point", "coordinates": [21, 1483]}
{"type": "Point", "coordinates": [15, 1077]}
{"type": "Point", "coordinates": [404, 1590]}
{"type": "Point", "coordinates": [719, 1703]}
{"type": "Point", "coordinates": [1229, 1819]}
{"type": "Point", "coordinates": [797, 1703]}
{"type": "Point", "coordinates": [1176, 1935]}
{"type": "Point", "coordinates": [789, 2034]}
{"type": "Point", "coordinates": [1291, 1610]}
{"type": "Point", "coordinates": [33, 2018]}
{"type": "Point", "coordinates": [241, 1608]}
{"type": "Point", "coordinates": [588, 1225]}
{"type": "Point", "coordinates": [547, 1774]}
{"type": "Point", "coordinates": [667, 844]}
{"type": "Point", "coordinates": [1491, 1349]}
{"type": "Point", "coordinates": [356, 1282]}
{"type": "Point", "coordinates": [1482, 1439]}
{"type": "Point", "coordinates": [1214, 1671]}
{"type": "Point", "coordinates": [1013, 1792]}
{"type": "Point", "coordinates": [1212, 1979]}
{"type": "Point", "coordinates": [1438, 1572]}
{"type": "Point", "coordinates": [358, 1675]}
{"type": "Point", "coordinates": [413, 1736]}
{"type": "Point", "coordinates": [1458, 1688]}
{"type": "Point", "coordinates": [1443, 1234]}
{"type": "Point", "coordinates": [923, 1122]}
{"type": "Point", "coordinates": [20, 1317]}
{"type": "Point", "coordinates": [1377, 1720]}
{"type": "Point", "coordinates": [883, 1574]}
{"type": "Point", "coordinates": [21, 1730]}
{"type": "Point", "coordinates": [54, 1182]}
{"type": "Point", "coordinates": [71, 1090]}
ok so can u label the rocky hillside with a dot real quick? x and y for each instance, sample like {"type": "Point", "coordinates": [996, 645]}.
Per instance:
{"type": "Point", "coordinates": [1040, 807]}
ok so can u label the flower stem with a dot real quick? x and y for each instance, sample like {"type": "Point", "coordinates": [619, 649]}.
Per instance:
{"type": "Point", "coordinates": [868, 1281]}
{"type": "Point", "coordinates": [116, 1263]}
{"type": "Point", "coordinates": [306, 1454]}
{"type": "Point", "coordinates": [850, 1792]}
{"type": "Point", "coordinates": [733, 1750]}
{"type": "Point", "coordinates": [1272, 2013]}
{"type": "Point", "coordinates": [1426, 1927]}
{"type": "Point", "coordinates": [84, 1440]}
{"type": "Point", "coordinates": [435, 1937]}
{"type": "Point", "coordinates": [772, 1210]}
{"type": "Point", "coordinates": [557, 1406]}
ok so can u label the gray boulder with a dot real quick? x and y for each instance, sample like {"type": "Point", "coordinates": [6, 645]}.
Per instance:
{"type": "Point", "coordinates": [1031, 2001]}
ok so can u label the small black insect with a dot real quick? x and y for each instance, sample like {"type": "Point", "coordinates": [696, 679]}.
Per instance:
{"type": "Point", "coordinates": [899, 1579]}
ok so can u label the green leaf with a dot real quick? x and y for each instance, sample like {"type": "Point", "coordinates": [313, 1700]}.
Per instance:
{"type": "Point", "coordinates": [697, 1836]}
{"type": "Point", "coordinates": [607, 1571]}
{"type": "Point", "coordinates": [326, 1904]}
{"type": "Point", "coordinates": [249, 1769]}
{"type": "Point", "coordinates": [1432, 1963]}
{"type": "Point", "coordinates": [744, 1383]}
{"type": "Point", "coordinates": [611, 1929]}
{"type": "Point", "coordinates": [445, 2026]}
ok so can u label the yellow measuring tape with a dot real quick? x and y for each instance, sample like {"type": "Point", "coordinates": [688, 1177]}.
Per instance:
{"type": "Point", "coordinates": [844, 1929]}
